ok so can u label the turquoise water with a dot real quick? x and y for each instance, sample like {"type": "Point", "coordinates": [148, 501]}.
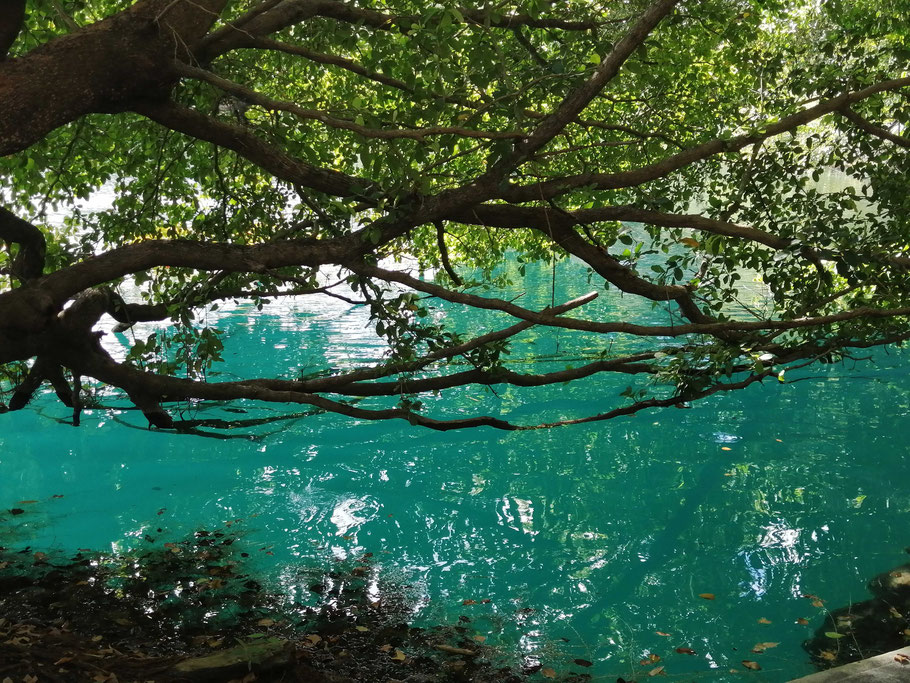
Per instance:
{"type": "Point", "coordinates": [588, 541]}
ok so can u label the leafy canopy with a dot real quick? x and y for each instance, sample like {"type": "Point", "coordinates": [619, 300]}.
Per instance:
{"type": "Point", "coordinates": [674, 148]}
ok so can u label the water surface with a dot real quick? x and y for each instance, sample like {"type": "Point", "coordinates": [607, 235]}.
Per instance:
{"type": "Point", "coordinates": [592, 542]}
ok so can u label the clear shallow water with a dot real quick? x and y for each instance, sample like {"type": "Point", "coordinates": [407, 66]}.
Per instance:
{"type": "Point", "coordinates": [587, 540]}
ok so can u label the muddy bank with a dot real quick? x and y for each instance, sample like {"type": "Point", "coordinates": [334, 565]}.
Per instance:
{"type": "Point", "coordinates": [188, 611]}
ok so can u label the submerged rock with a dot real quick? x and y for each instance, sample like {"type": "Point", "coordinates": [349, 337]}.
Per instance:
{"type": "Point", "coordinates": [866, 628]}
{"type": "Point", "coordinates": [893, 585]}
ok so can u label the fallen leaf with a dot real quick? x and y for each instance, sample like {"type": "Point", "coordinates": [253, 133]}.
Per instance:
{"type": "Point", "coordinates": [96, 639]}
{"type": "Point", "coordinates": [755, 666]}
{"type": "Point", "coordinates": [758, 648]}
{"type": "Point", "coordinates": [7, 680]}
{"type": "Point", "coordinates": [818, 603]}
{"type": "Point", "coordinates": [706, 596]}
{"type": "Point", "coordinates": [828, 655]}
{"type": "Point", "coordinates": [40, 557]}
{"type": "Point", "coordinates": [480, 639]}
{"type": "Point", "coordinates": [399, 656]}
{"type": "Point", "coordinates": [834, 634]}
{"type": "Point", "coordinates": [653, 658]}
{"type": "Point", "coordinates": [385, 648]}
{"type": "Point", "coordinates": [313, 638]}
{"type": "Point", "coordinates": [906, 630]}
{"type": "Point", "coordinates": [468, 602]}
{"type": "Point", "coordinates": [266, 622]}
{"type": "Point", "coordinates": [548, 673]}
{"type": "Point", "coordinates": [485, 601]}
{"type": "Point", "coordinates": [895, 613]}
{"type": "Point", "coordinates": [725, 448]}
{"type": "Point", "coordinates": [656, 671]}
{"type": "Point", "coordinates": [362, 629]}
{"type": "Point", "coordinates": [685, 650]}
{"type": "Point", "coordinates": [661, 633]}
{"type": "Point", "coordinates": [27, 502]}
{"type": "Point", "coordinates": [161, 511]}
{"type": "Point", "coordinates": [764, 621]}
{"type": "Point", "coordinates": [779, 440]}
{"type": "Point", "coordinates": [62, 660]}
{"type": "Point", "coordinates": [455, 650]}
{"type": "Point", "coordinates": [802, 621]}
{"type": "Point", "coordinates": [902, 659]}
{"type": "Point", "coordinates": [583, 662]}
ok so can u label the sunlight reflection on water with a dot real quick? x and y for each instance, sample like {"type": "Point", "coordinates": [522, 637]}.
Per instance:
{"type": "Point", "coordinates": [587, 542]}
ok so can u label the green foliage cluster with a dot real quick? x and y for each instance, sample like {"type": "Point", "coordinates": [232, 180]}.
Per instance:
{"type": "Point", "coordinates": [699, 165]}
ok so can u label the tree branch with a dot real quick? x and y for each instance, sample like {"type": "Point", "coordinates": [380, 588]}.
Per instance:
{"type": "Point", "coordinates": [871, 128]}
{"type": "Point", "coordinates": [122, 59]}
{"type": "Point", "coordinates": [711, 328]}
{"type": "Point", "coordinates": [248, 145]}
{"type": "Point", "coordinates": [12, 17]}
{"type": "Point", "coordinates": [576, 102]}
{"type": "Point", "coordinates": [269, 104]}
{"type": "Point", "coordinates": [29, 263]}
{"type": "Point", "coordinates": [639, 176]}
{"type": "Point", "coordinates": [444, 254]}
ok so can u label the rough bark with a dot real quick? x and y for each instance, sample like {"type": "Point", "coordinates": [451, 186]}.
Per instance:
{"type": "Point", "coordinates": [29, 262]}
{"type": "Point", "coordinates": [12, 14]}
{"type": "Point", "coordinates": [110, 66]}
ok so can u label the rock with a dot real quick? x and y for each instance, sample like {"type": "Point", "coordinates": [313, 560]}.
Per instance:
{"type": "Point", "coordinates": [864, 628]}
{"type": "Point", "coordinates": [893, 585]}
{"type": "Point", "coordinates": [253, 654]}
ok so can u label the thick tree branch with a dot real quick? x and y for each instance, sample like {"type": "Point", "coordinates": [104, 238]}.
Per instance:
{"type": "Point", "coordinates": [12, 16]}
{"type": "Point", "coordinates": [29, 262]}
{"type": "Point", "coordinates": [871, 128]}
{"type": "Point", "coordinates": [123, 59]}
{"type": "Point", "coordinates": [494, 376]}
{"type": "Point", "coordinates": [268, 157]}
